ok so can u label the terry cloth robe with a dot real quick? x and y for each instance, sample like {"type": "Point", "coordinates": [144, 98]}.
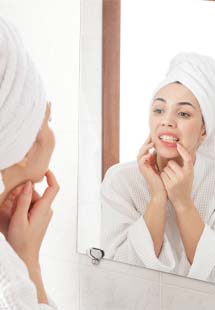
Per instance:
{"type": "Point", "coordinates": [125, 236]}
{"type": "Point", "coordinates": [17, 291]}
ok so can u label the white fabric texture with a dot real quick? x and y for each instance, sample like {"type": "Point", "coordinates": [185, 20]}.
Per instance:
{"type": "Point", "coordinates": [22, 98]}
{"type": "Point", "coordinates": [125, 236]}
{"type": "Point", "coordinates": [17, 291]}
{"type": "Point", "coordinates": [197, 73]}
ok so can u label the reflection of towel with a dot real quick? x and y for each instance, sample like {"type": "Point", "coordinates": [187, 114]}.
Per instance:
{"type": "Point", "coordinates": [197, 72]}
{"type": "Point", "coordinates": [22, 98]}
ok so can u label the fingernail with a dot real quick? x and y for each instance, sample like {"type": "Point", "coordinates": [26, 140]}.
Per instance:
{"type": "Point", "coordinates": [27, 188]}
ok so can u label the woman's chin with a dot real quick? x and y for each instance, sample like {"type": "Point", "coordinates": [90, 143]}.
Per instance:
{"type": "Point", "coordinates": [168, 153]}
{"type": "Point", "coordinates": [39, 180]}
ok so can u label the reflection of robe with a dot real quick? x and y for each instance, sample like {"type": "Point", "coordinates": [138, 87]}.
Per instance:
{"type": "Point", "coordinates": [17, 291]}
{"type": "Point", "coordinates": [124, 233]}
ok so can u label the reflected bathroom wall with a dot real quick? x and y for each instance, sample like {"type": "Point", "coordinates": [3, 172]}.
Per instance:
{"type": "Point", "coordinates": [151, 34]}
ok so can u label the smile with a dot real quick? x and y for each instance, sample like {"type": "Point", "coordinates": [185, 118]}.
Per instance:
{"type": "Point", "coordinates": [169, 139]}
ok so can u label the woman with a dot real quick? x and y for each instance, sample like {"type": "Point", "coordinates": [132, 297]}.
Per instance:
{"type": "Point", "coordinates": [26, 146]}
{"type": "Point", "coordinates": [159, 212]}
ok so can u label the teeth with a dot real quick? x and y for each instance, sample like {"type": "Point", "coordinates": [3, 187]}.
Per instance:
{"type": "Point", "coordinates": [168, 138]}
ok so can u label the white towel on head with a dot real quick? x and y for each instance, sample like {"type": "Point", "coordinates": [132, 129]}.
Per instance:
{"type": "Point", "coordinates": [197, 72]}
{"type": "Point", "coordinates": [22, 98]}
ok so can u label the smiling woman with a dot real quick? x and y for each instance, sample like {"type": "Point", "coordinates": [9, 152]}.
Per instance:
{"type": "Point", "coordinates": [155, 211]}
{"type": "Point", "coordinates": [175, 120]}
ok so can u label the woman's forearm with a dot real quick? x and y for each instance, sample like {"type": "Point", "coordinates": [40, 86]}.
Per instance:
{"type": "Point", "coordinates": [190, 226]}
{"type": "Point", "coordinates": [155, 218]}
{"type": "Point", "coordinates": [35, 275]}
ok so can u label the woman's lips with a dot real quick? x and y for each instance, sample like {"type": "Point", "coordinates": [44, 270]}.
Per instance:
{"type": "Point", "coordinates": [168, 144]}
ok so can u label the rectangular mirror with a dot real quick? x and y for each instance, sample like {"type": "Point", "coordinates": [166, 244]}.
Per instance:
{"type": "Point", "coordinates": [125, 51]}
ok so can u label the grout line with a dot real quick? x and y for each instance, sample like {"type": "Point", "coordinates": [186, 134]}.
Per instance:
{"type": "Point", "coordinates": [122, 272]}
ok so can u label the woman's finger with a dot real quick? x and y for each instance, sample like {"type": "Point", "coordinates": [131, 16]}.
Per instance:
{"type": "Point", "coordinates": [35, 196]}
{"type": "Point", "coordinates": [170, 174]}
{"type": "Point", "coordinates": [145, 158]}
{"type": "Point", "coordinates": [175, 167]}
{"type": "Point", "coordinates": [148, 140]}
{"type": "Point", "coordinates": [14, 194]}
{"type": "Point", "coordinates": [145, 148]}
{"type": "Point", "coordinates": [186, 156]}
{"type": "Point", "coordinates": [24, 201]}
{"type": "Point", "coordinates": [51, 191]}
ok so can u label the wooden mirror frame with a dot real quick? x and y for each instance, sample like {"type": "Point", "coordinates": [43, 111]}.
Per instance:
{"type": "Point", "coordinates": [110, 83]}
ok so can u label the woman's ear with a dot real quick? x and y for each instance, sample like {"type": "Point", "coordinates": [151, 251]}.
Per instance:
{"type": "Point", "coordinates": [203, 134]}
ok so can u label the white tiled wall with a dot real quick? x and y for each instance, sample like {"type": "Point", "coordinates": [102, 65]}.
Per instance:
{"type": "Point", "coordinates": [71, 279]}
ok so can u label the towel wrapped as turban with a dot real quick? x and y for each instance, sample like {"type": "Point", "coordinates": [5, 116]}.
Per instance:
{"type": "Point", "coordinates": [197, 73]}
{"type": "Point", "coordinates": [22, 98]}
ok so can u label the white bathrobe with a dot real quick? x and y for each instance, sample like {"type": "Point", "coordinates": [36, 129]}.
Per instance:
{"type": "Point", "coordinates": [124, 233]}
{"type": "Point", "coordinates": [17, 291]}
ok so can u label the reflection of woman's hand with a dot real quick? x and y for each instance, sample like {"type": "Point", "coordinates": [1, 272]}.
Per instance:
{"type": "Point", "coordinates": [178, 180]}
{"type": "Point", "coordinates": [148, 168]}
{"type": "Point", "coordinates": [29, 221]}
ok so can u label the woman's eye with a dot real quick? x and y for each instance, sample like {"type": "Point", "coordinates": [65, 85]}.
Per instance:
{"type": "Point", "coordinates": [157, 110]}
{"type": "Point", "coordinates": [185, 114]}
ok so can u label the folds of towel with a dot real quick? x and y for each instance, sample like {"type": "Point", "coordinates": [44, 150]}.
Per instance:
{"type": "Point", "coordinates": [22, 98]}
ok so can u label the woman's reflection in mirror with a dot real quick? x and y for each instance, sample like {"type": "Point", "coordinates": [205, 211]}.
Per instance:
{"type": "Point", "coordinates": [159, 211]}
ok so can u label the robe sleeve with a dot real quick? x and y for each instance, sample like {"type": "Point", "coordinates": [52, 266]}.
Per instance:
{"type": "Point", "coordinates": [51, 305]}
{"type": "Point", "coordinates": [17, 289]}
{"type": "Point", "coordinates": [203, 266]}
{"type": "Point", "coordinates": [124, 233]}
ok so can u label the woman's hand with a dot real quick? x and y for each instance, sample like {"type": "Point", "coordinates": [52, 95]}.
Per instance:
{"type": "Point", "coordinates": [7, 208]}
{"type": "Point", "coordinates": [148, 168]}
{"type": "Point", "coordinates": [29, 221]}
{"type": "Point", "coordinates": [178, 180]}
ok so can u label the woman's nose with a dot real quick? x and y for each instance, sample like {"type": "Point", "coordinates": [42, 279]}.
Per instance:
{"type": "Point", "coordinates": [168, 121]}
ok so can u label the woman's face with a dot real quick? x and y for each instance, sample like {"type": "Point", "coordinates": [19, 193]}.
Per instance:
{"type": "Point", "coordinates": [40, 153]}
{"type": "Point", "coordinates": [175, 114]}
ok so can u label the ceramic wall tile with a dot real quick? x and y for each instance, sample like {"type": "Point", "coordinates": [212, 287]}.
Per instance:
{"type": "Point", "coordinates": [176, 298]}
{"type": "Point", "coordinates": [113, 291]}
{"type": "Point", "coordinates": [62, 283]}
{"type": "Point", "coordinates": [184, 282]}
{"type": "Point", "coordinates": [121, 269]}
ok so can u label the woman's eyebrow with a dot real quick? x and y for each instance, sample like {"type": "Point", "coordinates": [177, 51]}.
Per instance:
{"type": "Point", "coordinates": [178, 103]}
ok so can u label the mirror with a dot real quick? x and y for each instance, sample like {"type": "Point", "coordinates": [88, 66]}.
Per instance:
{"type": "Point", "coordinates": [112, 211]}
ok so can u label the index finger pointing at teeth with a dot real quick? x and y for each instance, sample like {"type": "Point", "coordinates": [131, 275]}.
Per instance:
{"type": "Point", "coordinates": [184, 154]}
